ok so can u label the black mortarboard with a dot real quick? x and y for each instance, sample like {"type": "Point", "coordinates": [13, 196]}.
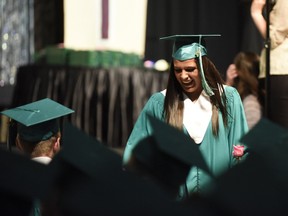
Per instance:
{"type": "Point", "coordinates": [168, 154]}
{"type": "Point", "coordinates": [258, 185]}
{"type": "Point", "coordinates": [91, 149]}
{"type": "Point", "coordinates": [265, 134]}
{"type": "Point", "coordinates": [22, 182]}
{"type": "Point", "coordinates": [91, 181]}
{"type": "Point", "coordinates": [38, 120]}
{"type": "Point", "coordinates": [189, 47]}
{"type": "Point", "coordinates": [250, 188]}
{"type": "Point", "coordinates": [270, 141]}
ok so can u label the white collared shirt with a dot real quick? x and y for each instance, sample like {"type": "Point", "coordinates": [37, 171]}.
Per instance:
{"type": "Point", "coordinates": [196, 115]}
{"type": "Point", "coordinates": [43, 159]}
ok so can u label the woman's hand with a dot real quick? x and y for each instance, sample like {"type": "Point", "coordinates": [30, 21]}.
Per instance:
{"type": "Point", "coordinates": [231, 74]}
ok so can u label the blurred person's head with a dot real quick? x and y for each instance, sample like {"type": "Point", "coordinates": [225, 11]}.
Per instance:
{"type": "Point", "coordinates": [247, 67]}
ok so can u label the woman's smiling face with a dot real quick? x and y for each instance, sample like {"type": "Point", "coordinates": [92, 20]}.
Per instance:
{"type": "Point", "coordinates": [188, 76]}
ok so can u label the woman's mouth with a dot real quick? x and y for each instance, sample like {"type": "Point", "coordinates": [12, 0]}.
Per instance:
{"type": "Point", "coordinates": [188, 84]}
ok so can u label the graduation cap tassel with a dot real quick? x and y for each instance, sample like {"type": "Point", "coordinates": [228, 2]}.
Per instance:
{"type": "Point", "coordinates": [205, 85]}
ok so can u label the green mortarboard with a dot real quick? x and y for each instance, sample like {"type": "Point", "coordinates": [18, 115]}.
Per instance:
{"type": "Point", "coordinates": [188, 47]}
{"type": "Point", "coordinates": [168, 154]}
{"type": "Point", "coordinates": [38, 120]}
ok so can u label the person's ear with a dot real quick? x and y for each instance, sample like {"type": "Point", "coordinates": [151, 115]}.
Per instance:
{"type": "Point", "coordinates": [56, 146]}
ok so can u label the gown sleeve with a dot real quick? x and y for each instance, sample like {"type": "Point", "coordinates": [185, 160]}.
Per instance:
{"type": "Point", "coordinates": [238, 126]}
{"type": "Point", "coordinates": [142, 127]}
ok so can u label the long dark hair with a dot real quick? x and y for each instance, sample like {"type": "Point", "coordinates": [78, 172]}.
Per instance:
{"type": "Point", "coordinates": [174, 102]}
{"type": "Point", "coordinates": [247, 83]}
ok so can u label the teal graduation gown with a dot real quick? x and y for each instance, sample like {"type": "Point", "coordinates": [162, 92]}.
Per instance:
{"type": "Point", "coordinates": [217, 151]}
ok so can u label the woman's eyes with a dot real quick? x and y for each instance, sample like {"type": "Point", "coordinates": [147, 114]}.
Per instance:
{"type": "Point", "coordinates": [178, 70]}
{"type": "Point", "coordinates": [190, 69]}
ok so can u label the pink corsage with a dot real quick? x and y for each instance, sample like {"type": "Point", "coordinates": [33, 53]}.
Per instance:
{"type": "Point", "coordinates": [238, 151]}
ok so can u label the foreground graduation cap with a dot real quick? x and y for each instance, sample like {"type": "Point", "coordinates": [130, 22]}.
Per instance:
{"type": "Point", "coordinates": [189, 47]}
{"type": "Point", "coordinates": [22, 181]}
{"type": "Point", "coordinates": [258, 185]}
{"type": "Point", "coordinates": [250, 188]}
{"type": "Point", "coordinates": [38, 120]}
{"type": "Point", "coordinates": [90, 181]}
{"type": "Point", "coordinates": [168, 155]}
{"type": "Point", "coordinates": [270, 141]}
{"type": "Point", "coordinates": [265, 136]}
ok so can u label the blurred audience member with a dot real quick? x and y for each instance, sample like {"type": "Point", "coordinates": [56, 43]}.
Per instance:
{"type": "Point", "coordinates": [278, 36]}
{"type": "Point", "coordinates": [243, 75]}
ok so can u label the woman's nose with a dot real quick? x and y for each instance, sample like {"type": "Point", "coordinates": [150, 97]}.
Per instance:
{"type": "Point", "coordinates": [184, 75]}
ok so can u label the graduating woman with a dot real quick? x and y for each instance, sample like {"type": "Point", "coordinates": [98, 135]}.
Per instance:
{"type": "Point", "coordinates": [198, 103]}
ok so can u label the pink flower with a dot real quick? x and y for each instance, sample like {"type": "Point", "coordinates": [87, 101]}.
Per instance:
{"type": "Point", "coordinates": [238, 151]}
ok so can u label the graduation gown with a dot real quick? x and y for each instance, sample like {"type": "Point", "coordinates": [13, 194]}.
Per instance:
{"type": "Point", "coordinates": [217, 151]}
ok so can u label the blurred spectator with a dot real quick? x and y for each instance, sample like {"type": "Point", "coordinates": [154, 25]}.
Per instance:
{"type": "Point", "coordinates": [243, 75]}
{"type": "Point", "coordinates": [278, 67]}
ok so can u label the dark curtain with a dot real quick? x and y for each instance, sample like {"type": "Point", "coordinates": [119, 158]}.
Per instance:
{"type": "Point", "coordinates": [230, 18]}
{"type": "Point", "coordinates": [48, 23]}
{"type": "Point", "coordinates": [106, 102]}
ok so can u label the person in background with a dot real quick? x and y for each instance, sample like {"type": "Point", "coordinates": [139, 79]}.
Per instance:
{"type": "Point", "coordinates": [38, 133]}
{"type": "Point", "coordinates": [38, 128]}
{"type": "Point", "coordinates": [243, 75]}
{"type": "Point", "coordinates": [41, 151]}
{"type": "Point", "coordinates": [197, 102]}
{"type": "Point", "coordinates": [278, 35]}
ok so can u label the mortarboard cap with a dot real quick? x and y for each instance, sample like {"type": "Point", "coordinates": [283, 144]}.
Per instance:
{"type": "Point", "coordinates": [189, 47]}
{"type": "Point", "coordinates": [264, 136]}
{"type": "Point", "coordinates": [91, 150]}
{"type": "Point", "coordinates": [91, 181]}
{"type": "Point", "coordinates": [38, 120]}
{"type": "Point", "coordinates": [250, 188]}
{"type": "Point", "coordinates": [168, 154]}
{"type": "Point", "coordinates": [270, 141]}
{"type": "Point", "coordinates": [259, 183]}
{"type": "Point", "coordinates": [22, 182]}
